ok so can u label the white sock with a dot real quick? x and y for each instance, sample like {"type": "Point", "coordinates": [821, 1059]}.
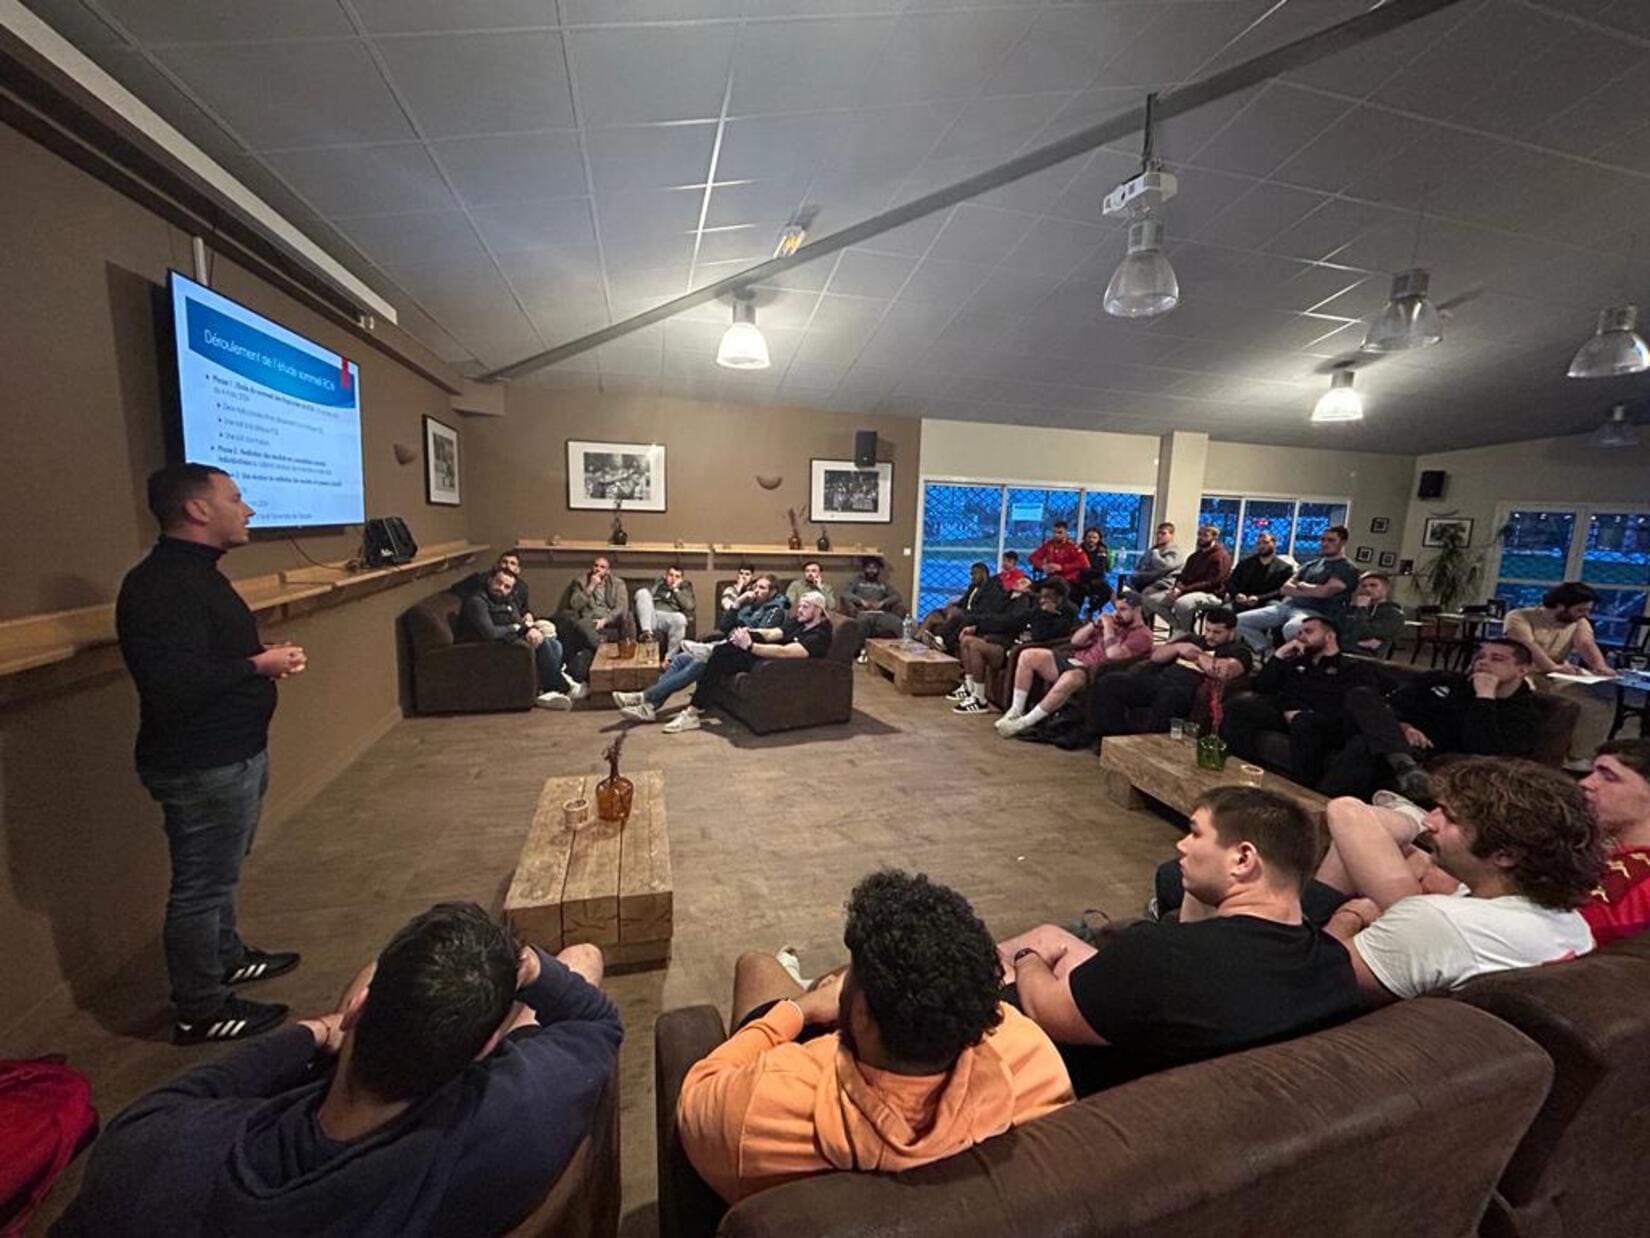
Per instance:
{"type": "Point", "coordinates": [979, 693]}
{"type": "Point", "coordinates": [968, 682]}
{"type": "Point", "coordinates": [1019, 706]}
{"type": "Point", "coordinates": [1036, 714]}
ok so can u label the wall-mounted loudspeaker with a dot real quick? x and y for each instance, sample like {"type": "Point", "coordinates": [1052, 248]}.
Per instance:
{"type": "Point", "coordinates": [387, 541]}
{"type": "Point", "coordinates": [865, 449]}
{"type": "Point", "coordinates": [1432, 484]}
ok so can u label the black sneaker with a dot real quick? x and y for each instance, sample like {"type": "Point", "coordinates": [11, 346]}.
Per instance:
{"type": "Point", "coordinates": [261, 965]}
{"type": "Point", "coordinates": [235, 1020]}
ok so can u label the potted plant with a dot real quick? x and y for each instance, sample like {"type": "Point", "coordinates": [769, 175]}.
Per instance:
{"type": "Point", "coordinates": [795, 539]}
{"type": "Point", "coordinates": [1452, 576]}
{"type": "Point", "coordinates": [618, 537]}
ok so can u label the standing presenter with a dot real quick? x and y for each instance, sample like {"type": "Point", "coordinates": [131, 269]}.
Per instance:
{"type": "Point", "coordinates": [206, 691]}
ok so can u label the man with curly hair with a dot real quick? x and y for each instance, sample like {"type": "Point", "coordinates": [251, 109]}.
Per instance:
{"type": "Point", "coordinates": [903, 1057]}
{"type": "Point", "coordinates": [1514, 852]}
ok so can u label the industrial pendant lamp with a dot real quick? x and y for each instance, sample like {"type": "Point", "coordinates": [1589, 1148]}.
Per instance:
{"type": "Point", "coordinates": [1617, 431]}
{"type": "Point", "coordinates": [1408, 320]}
{"type": "Point", "coordinates": [742, 346]}
{"type": "Point", "coordinates": [1340, 402]}
{"type": "Point", "coordinates": [1616, 347]}
{"type": "Point", "coordinates": [1144, 284]}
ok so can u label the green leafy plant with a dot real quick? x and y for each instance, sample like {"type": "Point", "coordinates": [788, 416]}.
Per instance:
{"type": "Point", "coordinates": [1451, 578]}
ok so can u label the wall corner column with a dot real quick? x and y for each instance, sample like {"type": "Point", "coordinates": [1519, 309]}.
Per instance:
{"type": "Point", "coordinates": [1182, 457]}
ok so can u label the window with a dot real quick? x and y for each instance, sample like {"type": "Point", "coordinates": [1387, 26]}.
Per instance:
{"type": "Point", "coordinates": [968, 522]}
{"type": "Point", "coordinates": [1297, 524]}
{"type": "Point", "coordinates": [1607, 549]}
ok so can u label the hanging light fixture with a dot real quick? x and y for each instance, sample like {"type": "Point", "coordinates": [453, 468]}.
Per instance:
{"type": "Point", "coordinates": [1617, 431]}
{"type": "Point", "coordinates": [1340, 402]}
{"type": "Point", "coordinates": [1144, 284]}
{"type": "Point", "coordinates": [1409, 320]}
{"type": "Point", "coordinates": [1616, 347]}
{"type": "Point", "coordinates": [742, 346]}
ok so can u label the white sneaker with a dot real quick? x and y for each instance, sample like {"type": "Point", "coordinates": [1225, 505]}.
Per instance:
{"type": "Point", "coordinates": [698, 648]}
{"type": "Point", "coordinates": [554, 700]}
{"type": "Point", "coordinates": [687, 720]}
{"type": "Point", "coordinates": [1404, 807]}
{"type": "Point", "coordinates": [639, 712]}
{"type": "Point", "coordinates": [621, 699]}
{"type": "Point", "coordinates": [863, 657]}
{"type": "Point", "coordinates": [1013, 713]}
{"type": "Point", "coordinates": [1010, 725]}
{"type": "Point", "coordinates": [791, 963]}
{"type": "Point", "coordinates": [971, 705]}
{"type": "Point", "coordinates": [959, 693]}
{"type": "Point", "coordinates": [577, 691]}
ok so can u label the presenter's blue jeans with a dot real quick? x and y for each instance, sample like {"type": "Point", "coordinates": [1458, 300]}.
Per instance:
{"type": "Point", "coordinates": [684, 671]}
{"type": "Point", "coordinates": [1255, 626]}
{"type": "Point", "coordinates": [211, 816]}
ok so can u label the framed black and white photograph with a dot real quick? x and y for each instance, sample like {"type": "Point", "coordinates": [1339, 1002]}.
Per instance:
{"type": "Point", "coordinates": [1363, 554]}
{"type": "Point", "coordinates": [843, 492]}
{"type": "Point", "coordinates": [1406, 567]}
{"type": "Point", "coordinates": [1389, 559]}
{"type": "Point", "coordinates": [1440, 528]}
{"type": "Point", "coordinates": [1379, 524]}
{"type": "Point", "coordinates": [602, 474]}
{"type": "Point", "coordinates": [440, 463]}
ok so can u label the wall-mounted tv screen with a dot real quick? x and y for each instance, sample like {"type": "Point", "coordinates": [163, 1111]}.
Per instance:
{"type": "Point", "coordinates": [279, 413]}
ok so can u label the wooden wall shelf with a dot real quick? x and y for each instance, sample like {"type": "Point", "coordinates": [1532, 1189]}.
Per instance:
{"type": "Point", "coordinates": [63, 646]}
{"type": "Point", "coordinates": [709, 550]}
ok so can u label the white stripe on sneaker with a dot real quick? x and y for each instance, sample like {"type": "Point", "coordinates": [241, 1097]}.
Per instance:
{"type": "Point", "coordinates": [234, 1029]}
{"type": "Point", "coordinates": [213, 1030]}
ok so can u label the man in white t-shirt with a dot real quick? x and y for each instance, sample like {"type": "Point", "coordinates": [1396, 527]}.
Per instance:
{"type": "Point", "coordinates": [1515, 852]}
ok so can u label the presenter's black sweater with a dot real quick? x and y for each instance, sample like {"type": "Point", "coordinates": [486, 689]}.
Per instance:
{"type": "Point", "coordinates": [188, 640]}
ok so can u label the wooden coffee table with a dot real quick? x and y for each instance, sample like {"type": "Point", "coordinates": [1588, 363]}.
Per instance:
{"type": "Point", "coordinates": [1133, 767]}
{"type": "Point", "coordinates": [600, 884]}
{"type": "Point", "coordinates": [916, 670]}
{"type": "Point", "coordinates": [610, 673]}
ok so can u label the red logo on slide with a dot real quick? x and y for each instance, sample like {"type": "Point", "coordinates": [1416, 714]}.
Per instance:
{"type": "Point", "coordinates": [343, 372]}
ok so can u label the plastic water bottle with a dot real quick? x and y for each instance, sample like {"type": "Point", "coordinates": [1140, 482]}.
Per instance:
{"type": "Point", "coordinates": [908, 632]}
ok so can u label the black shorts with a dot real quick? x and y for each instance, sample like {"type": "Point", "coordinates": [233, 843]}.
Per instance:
{"type": "Point", "coordinates": [1066, 662]}
{"type": "Point", "coordinates": [762, 1008]}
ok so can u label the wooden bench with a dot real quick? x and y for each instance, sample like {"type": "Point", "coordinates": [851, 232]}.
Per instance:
{"type": "Point", "coordinates": [1133, 767]}
{"type": "Point", "coordinates": [916, 670]}
{"type": "Point", "coordinates": [600, 884]}
{"type": "Point", "coordinates": [610, 673]}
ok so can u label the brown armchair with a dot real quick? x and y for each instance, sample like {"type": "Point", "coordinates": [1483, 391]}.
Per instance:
{"type": "Point", "coordinates": [583, 1202]}
{"type": "Point", "coordinates": [1341, 1132]}
{"type": "Point", "coordinates": [782, 694]}
{"type": "Point", "coordinates": [452, 676]}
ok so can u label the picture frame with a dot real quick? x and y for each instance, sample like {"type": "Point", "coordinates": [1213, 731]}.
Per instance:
{"type": "Point", "coordinates": [601, 475]}
{"type": "Point", "coordinates": [1364, 554]}
{"type": "Point", "coordinates": [840, 492]}
{"type": "Point", "coordinates": [1379, 524]}
{"type": "Point", "coordinates": [442, 477]}
{"type": "Point", "coordinates": [1406, 567]}
{"type": "Point", "coordinates": [1388, 559]}
{"type": "Point", "coordinates": [1439, 527]}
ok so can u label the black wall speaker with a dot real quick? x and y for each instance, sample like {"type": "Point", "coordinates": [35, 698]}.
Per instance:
{"type": "Point", "coordinates": [865, 449]}
{"type": "Point", "coordinates": [1432, 484]}
{"type": "Point", "coordinates": [387, 541]}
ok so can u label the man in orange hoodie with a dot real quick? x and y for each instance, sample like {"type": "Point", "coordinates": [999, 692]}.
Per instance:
{"type": "Point", "coordinates": [905, 1056]}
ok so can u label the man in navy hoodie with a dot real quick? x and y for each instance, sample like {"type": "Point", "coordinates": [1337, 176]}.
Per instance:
{"type": "Point", "coordinates": [466, 1073]}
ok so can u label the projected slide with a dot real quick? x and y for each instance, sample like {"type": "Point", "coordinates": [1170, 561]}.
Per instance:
{"type": "Point", "coordinates": [279, 413]}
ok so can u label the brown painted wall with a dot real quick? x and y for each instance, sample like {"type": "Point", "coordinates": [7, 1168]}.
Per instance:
{"type": "Point", "coordinates": [82, 855]}
{"type": "Point", "coordinates": [714, 451]}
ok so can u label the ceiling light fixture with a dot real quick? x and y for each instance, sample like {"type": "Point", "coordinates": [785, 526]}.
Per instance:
{"type": "Point", "coordinates": [1616, 347]}
{"type": "Point", "coordinates": [1144, 284]}
{"type": "Point", "coordinates": [1409, 319]}
{"type": "Point", "coordinates": [742, 346]}
{"type": "Point", "coordinates": [1617, 431]}
{"type": "Point", "coordinates": [1340, 402]}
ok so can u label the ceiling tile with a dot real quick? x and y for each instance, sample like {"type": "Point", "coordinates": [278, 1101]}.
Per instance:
{"type": "Point", "coordinates": [649, 156]}
{"type": "Point", "coordinates": [1362, 139]}
{"type": "Point", "coordinates": [810, 67]}
{"type": "Point", "coordinates": [1177, 43]}
{"type": "Point", "coordinates": [867, 274]}
{"type": "Point", "coordinates": [458, 84]}
{"type": "Point", "coordinates": [771, 204]}
{"type": "Point", "coordinates": [1055, 246]}
{"type": "Point", "coordinates": [515, 167]}
{"type": "Point", "coordinates": [980, 234]}
{"type": "Point", "coordinates": [948, 283]}
{"type": "Point", "coordinates": [364, 180]}
{"type": "Point", "coordinates": [553, 223]}
{"type": "Point", "coordinates": [652, 228]}
{"type": "Point", "coordinates": [1066, 46]}
{"type": "Point", "coordinates": [990, 131]}
{"type": "Point", "coordinates": [1269, 131]}
{"type": "Point", "coordinates": [740, 243]}
{"type": "Point", "coordinates": [1259, 215]}
{"type": "Point", "coordinates": [637, 74]}
{"type": "Point", "coordinates": [943, 55]}
{"type": "Point", "coordinates": [193, 21]}
{"type": "Point", "coordinates": [396, 240]}
{"type": "Point", "coordinates": [1328, 230]}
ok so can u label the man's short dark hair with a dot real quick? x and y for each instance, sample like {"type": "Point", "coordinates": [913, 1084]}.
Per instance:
{"type": "Point", "coordinates": [926, 965]}
{"type": "Point", "coordinates": [674, 567]}
{"type": "Point", "coordinates": [1223, 615]}
{"type": "Point", "coordinates": [1570, 593]}
{"type": "Point", "coordinates": [1521, 651]}
{"type": "Point", "coordinates": [1340, 531]}
{"type": "Point", "coordinates": [1013, 556]}
{"type": "Point", "coordinates": [173, 486]}
{"type": "Point", "coordinates": [1061, 524]}
{"type": "Point", "coordinates": [1633, 753]}
{"type": "Point", "coordinates": [1381, 576]}
{"type": "Point", "coordinates": [980, 565]}
{"type": "Point", "coordinates": [872, 561]}
{"type": "Point", "coordinates": [500, 570]}
{"type": "Point", "coordinates": [807, 563]}
{"type": "Point", "coordinates": [1056, 585]}
{"type": "Point", "coordinates": [1166, 524]}
{"type": "Point", "coordinates": [773, 581]}
{"type": "Point", "coordinates": [746, 567]}
{"type": "Point", "coordinates": [443, 986]}
{"type": "Point", "coordinates": [1533, 813]}
{"type": "Point", "coordinates": [1324, 620]}
{"type": "Point", "coordinates": [1278, 827]}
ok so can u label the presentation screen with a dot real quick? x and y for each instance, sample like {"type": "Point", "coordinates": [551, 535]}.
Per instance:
{"type": "Point", "coordinates": [279, 413]}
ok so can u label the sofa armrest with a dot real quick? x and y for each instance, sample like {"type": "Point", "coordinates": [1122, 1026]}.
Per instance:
{"type": "Point", "coordinates": [687, 1207]}
{"type": "Point", "coordinates": [475, 676]}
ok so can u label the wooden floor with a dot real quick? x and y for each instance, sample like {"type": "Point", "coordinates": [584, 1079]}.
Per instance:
{"type": "Point", "coordinates": [767, 836]}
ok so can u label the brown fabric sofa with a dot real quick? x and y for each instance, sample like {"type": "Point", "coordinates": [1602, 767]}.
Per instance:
{"type": "Point", "coordinates": [584, 1201]}
{"type": "Point", "coordinates": [451, 676]}
{"type": "Point", "coordinates": [1399, 1122]}
{"type": "Point", "coordinates": [783, 694]}
{"type": "Point", "coordinates": [1580, 1169]}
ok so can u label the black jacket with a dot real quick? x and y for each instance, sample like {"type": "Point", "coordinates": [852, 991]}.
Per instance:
{"type": "Point", "coordinates": [1318, 685]}
{"type": "Point", "coordinates": [476, 582]}
{"type": "Point", "coordinates": [989, 599]}
{"type": "Point", "coordinates": [1261, 581]}
{"type": "Point", "coordinates": [1443, 707]}
{"type": "Point", "coordinates": [485, 618]}
{"type": "Point", "coordinates": [1025, 617]}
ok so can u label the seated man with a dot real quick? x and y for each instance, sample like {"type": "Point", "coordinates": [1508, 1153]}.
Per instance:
{"type": "Point", "coordinates": [667, 609]}
{"type": "Point", "coordinates": [905, 1057]}
{"type": "Point", "coordinates": [760, 605]}
{"type": "Point", "coordinates": [1200, 584]}
{"type": "Point", "coordinates": [1091, 588]}
{"type": "Point", "coordinates": [1168, 683]}
{"type": "Point", "coordinates": [1372, 622]}
{"type": "Point", "coordinates": [1160, 563]}
{"type": "Point", "coordinates": [985, 646]}
{"type": "Point", "coordinates": [1119, 635]}
{"type": "Point", "coordinates": [1060, 556]}
{"type": "Point", "coordinates": [813, 581]}
{"type": "Point", "coordinates": [736, 594]}
{"type": "Point", "coordinates": [1299, 692]}
{"type": "Point", "coordinates": [491, 616]}
{"type": "Point", "coordinates": [443, 1096]}
{"type": "Point", "coordinates": [807, 635]}
{"type": "Point", "coordinates": [476, 582]}
{"type": "Point", "coordinates": [1009, 571]}
{"type": "Point", "coordinates": [596, 608]}
{"type": "Point", "coordinates": [990, 596]}
{"type": "Point", "coordinates": [1618, 794]}
{"type": "Point", "coordinates": [1240, 968]}
{"type": "Point", "coordinates": [1321, 586]}
{"type": "Point", "coordinates": [937, 624]}
{"type": "Point", "coordinates": [1557, 633]}
{"type": "Point", "coordinates": [1258, 578]}
{"type": "Point", "coordinates": [1489, 711]}
{"type": "Point", "coordinates": [873, 601]}
{"type": "Point", "coordinates": [1517, 838]}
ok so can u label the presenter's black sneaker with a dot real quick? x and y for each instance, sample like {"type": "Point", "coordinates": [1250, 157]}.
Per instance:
{"type": "Point", "coordinates": [261, 965]}
{"type": "Point", "coordinates": [236, 1019]}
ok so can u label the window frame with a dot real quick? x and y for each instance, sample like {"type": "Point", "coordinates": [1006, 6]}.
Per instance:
{"type": "Point", "coordinates": [1243, 500]}
{"type": "Point", "coordinates": [1575, 556]}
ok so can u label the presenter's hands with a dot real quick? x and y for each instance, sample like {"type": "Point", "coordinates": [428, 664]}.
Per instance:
{"type": "Point", "coordinates": [280, 661]}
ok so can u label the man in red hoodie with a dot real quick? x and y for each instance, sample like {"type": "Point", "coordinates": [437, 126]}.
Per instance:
{"type": "Point", "coordinates": [906, 1056]}
{"type": "Point", "coordinates": [1060, 556]}
{"type": "Point", "coordinates": [1618, 793]}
